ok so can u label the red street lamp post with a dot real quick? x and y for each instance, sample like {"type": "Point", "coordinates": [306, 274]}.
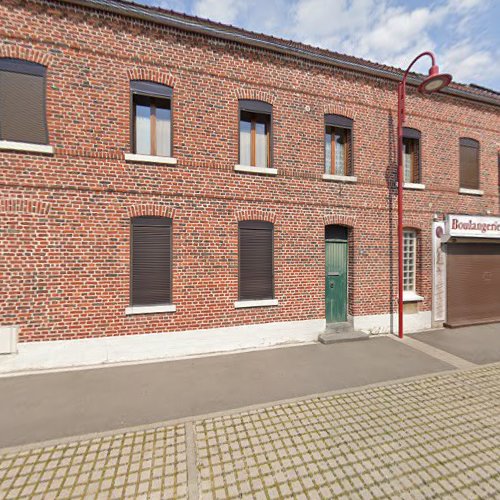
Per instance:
{"type": "Point", "coordinates": [433, 83]}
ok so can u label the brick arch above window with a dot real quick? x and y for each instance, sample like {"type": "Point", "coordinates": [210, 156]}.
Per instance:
{"type": "Point", "coordinates": [150, 209]}
{"type": "Point", "coordinates": [256, 95]}
{"type": "Point", "coordinates": [412, 224]}
{"type": "Point", "coordinates": [25, 54]}
{"type": "Point", "coordinates": [13, 205]}
{"type": "Point", "coordinates": [340, 220]}
{"type": "Point", "coordinates": [255, 214]}
{"type": "Point", "coordinates": [151, 75]}
{"type": "Point", "coordinates": [339, 109]}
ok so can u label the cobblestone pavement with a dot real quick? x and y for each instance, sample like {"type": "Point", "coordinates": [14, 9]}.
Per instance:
{"type": "Point", "coordinates": [433, 437]}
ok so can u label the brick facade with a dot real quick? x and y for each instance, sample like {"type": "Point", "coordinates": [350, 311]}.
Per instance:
{"type": "Point", "coordinates": [65, 218]}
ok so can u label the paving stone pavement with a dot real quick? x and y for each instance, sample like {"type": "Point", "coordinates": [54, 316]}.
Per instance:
{"type": "Point", "coordinates": [432, 437]}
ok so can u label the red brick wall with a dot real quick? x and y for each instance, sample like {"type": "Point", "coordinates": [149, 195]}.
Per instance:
{"type": "Point", "coordinates": [64, 230]}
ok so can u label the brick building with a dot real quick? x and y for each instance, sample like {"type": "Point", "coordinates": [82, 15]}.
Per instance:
{"type": "Point", "coordinates": [172, 186]}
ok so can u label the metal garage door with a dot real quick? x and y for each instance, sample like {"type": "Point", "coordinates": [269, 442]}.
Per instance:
{"type": "Point", "coordinates": [473, 283]}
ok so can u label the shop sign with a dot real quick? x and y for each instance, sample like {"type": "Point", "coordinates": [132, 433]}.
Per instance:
{"type": "Point", "coordinates": [473, 226]}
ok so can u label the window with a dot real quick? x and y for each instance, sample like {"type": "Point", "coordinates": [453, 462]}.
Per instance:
{"type": "Point", "coordinates": [338, 145]}
{"type": "Point", "coordinates": [22, 102]}
{"type": "Point", "coordinates": [469, 163]}
{"type": "Point", "coordinates": [409, 260]}
{"type": "Point", "coordinates": [411, 155]}
{"type": "Point", "coordinates": [152, 118]}
{"type": "Point", "coordinates": [255, 133]}
{"type": "Point", "coordinates": [151, 258]}
{"type": "Point", "coordinates": [255, 260]}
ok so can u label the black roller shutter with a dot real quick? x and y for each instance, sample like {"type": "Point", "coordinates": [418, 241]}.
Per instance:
{"type": "Point", "coordinates": [22, 102]}
{"type": "Point", "coordinates": [150, 89]}
{"type": "Point", "coordinates": [338, 121]}
{"type": "Point", "coordinates": [255, 106]}
{"type": "Point", "coordinates": [151, 260]}
{"type": "Point", "coordinates": [469, 163]}
{"type": "Point", "coordinates": [255, 260]}
{"type": "Point", "coordinates": [411, 133]}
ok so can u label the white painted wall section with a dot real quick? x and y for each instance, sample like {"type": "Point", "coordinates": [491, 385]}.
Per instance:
{"type": "Point", "coordinates": [132, 348]}
{"type": "Point", "coordinates": [381, 323]}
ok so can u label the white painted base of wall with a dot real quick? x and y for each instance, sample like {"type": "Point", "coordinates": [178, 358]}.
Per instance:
{"type": "Point", "coordinates": [8, 339]}
{"type": "Point", "coordinates": [381, 323]}
{"type": "Point", "coordinates": [132, 348]}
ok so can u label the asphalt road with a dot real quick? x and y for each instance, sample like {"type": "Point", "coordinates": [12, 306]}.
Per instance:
{"type": "Point", "coordinates": [47, 406]}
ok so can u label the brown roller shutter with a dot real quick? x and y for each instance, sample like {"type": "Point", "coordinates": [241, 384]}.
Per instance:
{"type": "Point", "coordinates": [151, 260]}
{"type": "Point", "coordinates": [416, 161]}
{"type": "Point", "coordinates": [473, 283]}
{"type": "Point", "coordinates": [348, 152]}
{"type": "Point", "coordinates": [469, 164]}
{"type": "Point", "coordinates": [255, 260]}
{"type": "Point", "coordinates": [22, 102]}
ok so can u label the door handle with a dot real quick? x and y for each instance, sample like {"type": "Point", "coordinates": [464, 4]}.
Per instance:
{"type": "Point", "coordinates": [331, 284]}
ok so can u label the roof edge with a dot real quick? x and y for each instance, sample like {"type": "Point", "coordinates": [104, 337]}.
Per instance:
{"type": "Point", "coordinates": [166, 19]}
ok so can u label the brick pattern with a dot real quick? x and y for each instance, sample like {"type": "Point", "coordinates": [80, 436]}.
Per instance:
{"type": "Point", "coordinates": [142, 464]}
{"type": "Point", "coordinates": [410, 440]}
{"type": "Point", "coordinates": [65, 272]}
{"type": "Point", "coordinates": [432, 438]}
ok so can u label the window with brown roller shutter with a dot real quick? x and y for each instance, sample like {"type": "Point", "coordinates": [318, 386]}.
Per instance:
{"type": "Point", "coordinates": [469, 163]}
{"type": "Point", "coordinates": [255, 260]}
{"type": "Point", "coordinates": [151, 261]}
{"type": "Point", "coordinates": [22, 102]}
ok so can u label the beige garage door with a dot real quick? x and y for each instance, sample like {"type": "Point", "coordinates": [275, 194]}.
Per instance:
{"type": "Point", "coordinates": [473, 283]}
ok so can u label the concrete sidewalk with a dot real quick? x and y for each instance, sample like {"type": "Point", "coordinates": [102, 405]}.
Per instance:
{"type": "Point", "coordinates": [54, 405]}
{"type": "Point", "coordinates": [478, 344]}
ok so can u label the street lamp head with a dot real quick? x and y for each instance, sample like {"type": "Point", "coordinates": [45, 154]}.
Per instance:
{"type": "Point", "coordinates": [435, 81]}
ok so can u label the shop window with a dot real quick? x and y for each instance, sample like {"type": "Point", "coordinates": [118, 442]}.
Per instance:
{"type": "Point", "coordinates": [152, 118]}
{"type": "Point", "coordinates": [411, 155]}
{"type": "Point", "coordinates": [338, 145]}
{"type": "Point", "coordinates": [255, 133]}
{"type": "Point", "coordinates": [409, 260]}
{"type": "Point", "coordinates": [151, 261]}
{"type": "Point", "coordinates": [255, 260]}
{"type": "Point", "coordinates": [469, 163]}
{"type": "Point", "coordinates": [22, 102]}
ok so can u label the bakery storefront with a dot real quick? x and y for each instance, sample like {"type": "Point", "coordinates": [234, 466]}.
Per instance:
{"type": "Point", "coordinates": [466, 269]}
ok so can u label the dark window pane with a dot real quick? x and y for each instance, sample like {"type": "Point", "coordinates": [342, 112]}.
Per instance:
{"type": "Point", "coordinates": [22, 107]}
{"type": "Point", "coordinates": [335, 232]}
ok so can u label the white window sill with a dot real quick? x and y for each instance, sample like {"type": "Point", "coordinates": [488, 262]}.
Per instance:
{"type": "Point", "coordinates": [413, 185]}
{"type": "Point", "coordinates": [255, 303]}
{"type": "Point", "coordinates": [26, 147]}
{"type": "Point", "coordinates": [412, 297]}
{"type": "Point", "coordinates": [256, 170]}
{"type": "Point", "coordinates": [474, 192]}
{"type": "Point", "coordinates": [162, 308]}
{"type": "Point", "coordinates": [165, 160]}
{"type": "Point", "coordinates": [340, 178]}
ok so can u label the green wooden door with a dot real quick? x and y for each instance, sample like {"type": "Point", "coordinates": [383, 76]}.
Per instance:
{"type": "Point", "coordinates": [336, 281]}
